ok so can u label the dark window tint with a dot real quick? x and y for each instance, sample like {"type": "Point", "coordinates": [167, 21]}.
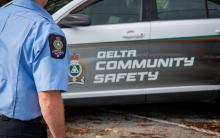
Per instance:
{"type": "Point", "coordinates": [181, 9]}
{"type": "Point", "coordinates": [214, 8]}
{"type": "Point", "coordinates": [114, 11]}
{"type": "Point", "coordinates": [55, 5]}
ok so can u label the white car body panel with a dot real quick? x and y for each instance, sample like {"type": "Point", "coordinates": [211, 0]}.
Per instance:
{"type": "Point", "coordinates": [184, 28]}
{"type": "Point", "coordinates": [108, 33]}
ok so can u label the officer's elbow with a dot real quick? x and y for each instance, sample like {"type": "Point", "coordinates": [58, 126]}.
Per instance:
{"type": "Point", "coordinates": [49, 98]}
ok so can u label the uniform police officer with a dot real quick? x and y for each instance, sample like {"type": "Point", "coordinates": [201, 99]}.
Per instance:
{"type": "Point", "coordinates": [34, 61]}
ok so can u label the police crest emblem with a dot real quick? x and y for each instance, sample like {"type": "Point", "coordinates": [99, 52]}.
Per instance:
{"type": "Point", "coordinates": [57, 46]}
{"type": "Point", "coordinates": [76, 72]}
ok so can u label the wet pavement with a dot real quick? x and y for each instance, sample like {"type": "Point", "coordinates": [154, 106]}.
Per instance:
{"type": "Point", "coordinates": [174, 120]}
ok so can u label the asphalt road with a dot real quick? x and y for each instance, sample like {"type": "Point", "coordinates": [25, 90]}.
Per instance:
{"type": "Point", "coordinates": [173, 120]}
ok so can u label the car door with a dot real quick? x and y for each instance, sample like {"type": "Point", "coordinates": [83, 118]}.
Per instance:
{"type": "Point", "coordinates": [184, 42]}
{"type": "Point", "coordinates": [106, 55]}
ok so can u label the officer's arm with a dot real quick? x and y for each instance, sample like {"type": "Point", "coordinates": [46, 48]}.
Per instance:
{"type": "Point", "coordinates": [52, 109]}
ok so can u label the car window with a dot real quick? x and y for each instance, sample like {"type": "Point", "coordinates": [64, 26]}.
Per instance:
{"type": "Point", "coordinates": [214, 8]}
{"type": "Point", "coordinates": [181, 9]}
{"type": "Point", "coordinates": [54, 5]}
{"type": "Point", "coordinates": [114, 12]}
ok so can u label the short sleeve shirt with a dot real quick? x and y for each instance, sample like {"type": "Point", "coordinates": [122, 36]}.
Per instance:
{"type": "Point", "coordinates": [34, 58]}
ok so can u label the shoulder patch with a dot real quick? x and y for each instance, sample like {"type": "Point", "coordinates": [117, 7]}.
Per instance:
{"type": "Point", "coordinates": [57, 45]}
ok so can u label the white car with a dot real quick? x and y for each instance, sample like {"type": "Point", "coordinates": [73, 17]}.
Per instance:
{"type": "Point", "coordinates": [138, 51]}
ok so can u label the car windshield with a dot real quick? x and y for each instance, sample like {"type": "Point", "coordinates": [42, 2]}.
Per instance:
{"type": "Point", "coordinates": [52, 6]}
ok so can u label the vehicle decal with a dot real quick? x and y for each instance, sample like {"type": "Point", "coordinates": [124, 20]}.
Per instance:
{"type": "Point", "coordinates": [76, 72]}
{"type": "Point", "coordinates": [176, 39]}
{"type": "Point", "coordinates": [126, 66]}
{"type": "Point", "coordinates": [189, 39]}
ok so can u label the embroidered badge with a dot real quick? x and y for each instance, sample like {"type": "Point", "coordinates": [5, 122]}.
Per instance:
{"type": "Point", "coordinates": [76, 72]}
{"type": "Point", "coordinates": [57, 46]}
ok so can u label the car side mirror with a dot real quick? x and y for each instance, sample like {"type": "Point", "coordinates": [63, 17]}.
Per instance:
{"type": "Point", "coordinates": [75, 20]}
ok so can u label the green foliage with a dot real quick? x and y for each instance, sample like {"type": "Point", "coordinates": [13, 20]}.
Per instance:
{"type": "Point", "coordinates": [3, 2]}
{"type": "Point", "coordinates": [54, 5]}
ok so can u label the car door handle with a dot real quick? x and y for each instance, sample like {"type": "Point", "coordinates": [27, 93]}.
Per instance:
{"type": "Point", "coordinates": [217, 31]}
{"type": "Point", "coordinates": [132, 34]}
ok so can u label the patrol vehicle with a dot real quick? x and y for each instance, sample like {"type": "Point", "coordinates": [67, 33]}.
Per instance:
{"type": "Point", "coordinates": [138, 51]}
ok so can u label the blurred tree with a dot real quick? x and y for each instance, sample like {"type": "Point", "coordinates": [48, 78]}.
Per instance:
{"type": "Point", "coordinates": [52, 7]}
{"type": "Point", "coordinates": [2, 2]}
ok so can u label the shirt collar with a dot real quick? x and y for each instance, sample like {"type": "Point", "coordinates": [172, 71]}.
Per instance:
{"type": "Point", "coordinates": [29, 4]}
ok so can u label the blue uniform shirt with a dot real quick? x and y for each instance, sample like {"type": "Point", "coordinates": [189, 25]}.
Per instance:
{"type": "Point", "coordinates": [33, 58]}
